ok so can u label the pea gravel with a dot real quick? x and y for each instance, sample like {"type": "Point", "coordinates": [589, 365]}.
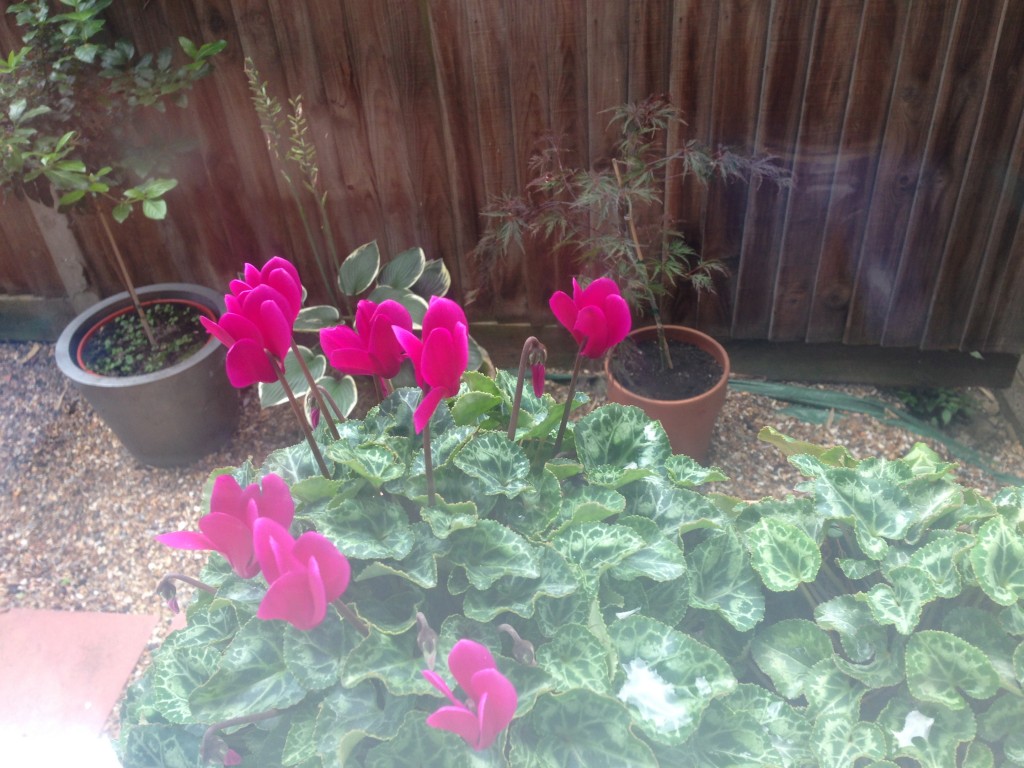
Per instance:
{"type": "Point", "coordinates": [78, 514]}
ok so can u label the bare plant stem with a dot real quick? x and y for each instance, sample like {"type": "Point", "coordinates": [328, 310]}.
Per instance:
{"type": "Point", "coordinates": [301, 416]}
{"type": "Point", "coordinates": [428, 465]}
{"type": "Point", "coordinates": [125, 277]}
{"type": "Point", "coordinates": [349, 615]}
{"type": "Point", "coordinates": [568, 401]}
{"type": "Point", "coordinates": [214, 730]}
{"type": "Point", "coordinates": [315, 390]}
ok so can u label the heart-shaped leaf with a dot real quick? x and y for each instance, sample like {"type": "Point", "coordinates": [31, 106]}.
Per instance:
{"type": "Point", "coordinates": [940, 665]}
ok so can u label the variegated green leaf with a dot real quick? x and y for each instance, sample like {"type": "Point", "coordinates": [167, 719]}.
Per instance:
{"type": "Point", "coordinates": [928, 733]}
{"type": "Point", "coordinates": [575, 658]}
{"type": "Point", "coordinates": [313, 319]}
{"type": "Point", "coordinates": [787, 728]}
{"type": "Point", "coordinates": [621, 436]}
{"type": "Point", "coordinates": [419, 566]}
{"type": "Point", "coordinates": [787, 651]}
{"type": "Point", "coordinates": [578, 729]}
{"type": "Point", "coordinates": [722, 580]}
{"type": "Point", "coordinates": [684, 472]}
{"type": "Point", "coordinates": [782, 554]}
{"type": "Point", "coordinates": [588, 504]}
{"type": "Point", "coordinates": [596, 547]}
{"type": "Point", "coordinates": [375, 461]}
{"type": "Point", "coordinates": [359, 269]}
{"type": "Point", "coordinates": [273, 393]}
{"type": "Point", "coordinates": [726, 738]}
{"type": "Point", "coordinates": [851, 619]}
{"type": "Point", "coordinates": [315, 656]}
{"type": "Point", "coordinates": [670, 678]}
{"type": "Point", "coordinates": [169, 746]}
{"type": "Point", "coordinates": [490, 551]}
{"type": "Point", "coordinates": [404, 269]}
{"type": "Point", "coordinates": [659, 560]}
{"type": "Point", "coordinates": [675, 510]}
{"type": "Point", "coordinates": [499, 466]}
{"type": "Point", "coordinates": [830, 692]}
{"type": "Point", "coordinates": [252, 677]}
{"type": "Point", "coordinates": [367, 528]}
{"type": "Point", "coordinates": [392, 660]}
{"type": "Point", "coordinates": [938, 559]}
{"type": "Point", "coordinates": [351, 714]}
{"type": "Point", "coordinates": [518, 595]}
{"type": "Point", "coordinates": [175, 675]}
{"type": "Point", "coordinates": [469, 407]}
{"type": "Point", "coordinates": [839, 742]}
{"type": "Point", "coordinates": [902, 602]}
{"type": "Point", "coordinates": [941, 665]}
{"type": "Point", "coordinates": [415, 741]}
{"type": "Point", "coordinates": [998, 560]}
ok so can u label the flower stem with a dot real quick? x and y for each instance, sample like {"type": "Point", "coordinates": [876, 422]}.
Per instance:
{"type": "Point", "coordinates": [529, 347]}
{"type": "Point", "coordinates": [168, 578]}
{"type": "Point", "coordinates": [428, 465]}
{"type": "Point", "coordinates": [568, 402]}
{"type": "Point", "coordinates": [334, 405]}
{"type": "Point", "coordinates": [349, 615]}
{"type": "Point", "coordinates": [213, 732]}
{"type": "Point", "coordinates": [301, 416]}
{"type": "Point", "coordinates": [315, 389]}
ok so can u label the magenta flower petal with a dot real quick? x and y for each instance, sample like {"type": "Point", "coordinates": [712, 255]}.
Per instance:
{"type": "Point", "coordinates": [537, 376]}
{"type": "Point", "coordinates": [620, 322]}
{"type": "Point", "coordinates": [247, 363]}
{"type": "Point", "coordinates": [216, 331]}
{"type": "Point", "coordinates": [276, 501]}
{"type": "Point", "coordinates": [459, 720]}
{"type": "Point", "coordinates": [276, 329]}
{"type": "Point", "coordinates": [442, 313]}
{"type": "Point", "coordinates": [333, 567]}
{"type": "Point", "coordinates": [426, 408]}
{"type": "Point", "coordinates": [440, 362]}
{"type": "Point", "coordinates": [233, 539]}
{"type": "Point", "coordinates": [496, 706]}
{"type": "Point", "coordinates": [273, 546]}
{"type": "Point", "coordinates": [593, 327]}
{"type": "Point", "coordinates": [564, 310]}
{"type": "Point", "coordinates": [289, 599]}
{"type": "Point", "coordinates": [465, 660]}
{"type": "Point", "coordinates": [597, 316]}
{"type": "Point", "coordinates": [184, 540]}
{"type": "Point", "coordinates": [438, 682]}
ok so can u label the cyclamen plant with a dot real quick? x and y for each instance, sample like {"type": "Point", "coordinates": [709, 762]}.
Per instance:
{"type": "Point", "coordinates": [597, 607]}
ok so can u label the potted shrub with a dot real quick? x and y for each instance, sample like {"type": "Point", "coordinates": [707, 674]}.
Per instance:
{"type": "Point", "coordinates": [611, 217]}
{"type": "Point", "coordinates": [476, 599]}
{"type": "Point", "coordinates": [68, 97]}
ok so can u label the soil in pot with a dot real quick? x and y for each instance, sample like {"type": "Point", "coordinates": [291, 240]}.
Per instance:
{"type": "Point", "coordinates": [636, 365]}
{"type": "Point", "coordinates": [118, 346]}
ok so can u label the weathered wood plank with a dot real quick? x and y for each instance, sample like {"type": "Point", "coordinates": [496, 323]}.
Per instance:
{"type": "Point", "coordinates": [863, 128]}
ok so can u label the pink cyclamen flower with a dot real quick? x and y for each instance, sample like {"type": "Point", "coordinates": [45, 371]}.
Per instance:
{"type": "Point", "coordinates": [304, 574]}
{"type": "Point", "coordinates": [492, 698]}
{"type": "Point", "coordinates": [259, 318]}
{"type": "Point", "coordinates": [371, 349]}
{"type": "Point", "coordinates": [228, 528]}
{"type": "Point", "coordinates": [597, 316]}
{"type": "Point", "coordinates": [440, 359]}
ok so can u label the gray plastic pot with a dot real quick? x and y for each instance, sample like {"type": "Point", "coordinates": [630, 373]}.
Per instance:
{"type": "Point", "coordinates": [168, 418]}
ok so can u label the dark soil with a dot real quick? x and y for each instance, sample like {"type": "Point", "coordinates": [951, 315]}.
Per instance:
{"type": "Point", "coordinates": [120, 347]}
{"type": "Point", "coordinates": [637, 367]}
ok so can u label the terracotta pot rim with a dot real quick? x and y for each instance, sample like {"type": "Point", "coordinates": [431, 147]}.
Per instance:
{"type": "Point", "coordinates": [707, 343]}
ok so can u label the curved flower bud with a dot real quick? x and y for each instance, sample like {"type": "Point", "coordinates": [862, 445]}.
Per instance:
{"type": "Point", "coordinates": [440, 358]}
{"type": "Point", "coordinates": [597, 316]}
{"type": "Point", "coordinates": [492, 698]}
{"type": "Point", "coordinates": [304, 574]}
{"type": "Point", "coordinates": [371, 349]}
{"type": "Point", "coordinates": [228, 528]}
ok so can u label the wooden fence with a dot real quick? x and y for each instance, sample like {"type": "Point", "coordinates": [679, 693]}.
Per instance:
{"type": "Point", "coordinates": [900, 120]}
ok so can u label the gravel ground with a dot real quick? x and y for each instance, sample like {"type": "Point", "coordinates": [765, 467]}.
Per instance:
{"type": "Point", "coordinates": [78, 514]}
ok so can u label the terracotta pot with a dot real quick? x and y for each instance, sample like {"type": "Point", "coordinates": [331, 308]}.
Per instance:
{"type": "Point", "coordinates": [689, 422]}
{"type": "Point", "coordinates": [168, 418]}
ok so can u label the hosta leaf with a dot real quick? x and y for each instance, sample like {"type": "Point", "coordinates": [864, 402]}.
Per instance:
{"type": "Point", "coordinates": [839, 742]}
{"type": "Point", "coordinates": [901, 603]}
{"type": "Point", "coordinates": [416, 740]}
{"type": "Point", "coordinates": [415, 304]}
{"type": "Point", "coordinates": [359, 269]}
{"type": "Point", "coordinates": [575, 658]}
{"type": "Point", "coordinates": [687, 473]}
{"type": "Point", "coordinates": [782, 554]}
{"type": "Point", "coordinates": [273, 393]}
{"type": "Point", "coordinates": [490, 551]}
{"type": "Point", "coordinates": [252, 677]}
{"type": "Point", "coordinates": [787, 651]}
{"type": "Point", "coordinates": [367, 528]}
{"type": "Point", "coordinates": [621, 436]}
{"type": "Point", "coordinates": [998, 560]}
{"type": "Point", "coordinates": [659, 560]}
{"type": "Point", "coordinates": [403, 270]}
{"type": "Point", "coordinates": [596, 547]}
{"type": "Point", "coordinates": [940, 665]}
{"type": "Point", "coordinates": [435, 280]}
{"type": "Point", "coordinates": [342, 391]}
{"type": "Point", "coordinates": [578, 729]}
{"type": "Point", "coordinates": [499, 466]}
{"type": "Point", "coordinates": [670, 678]}
{"type": "Point", "coordinates": [722, 580]}
{"type": "Point", "coordinates": [313, 319]}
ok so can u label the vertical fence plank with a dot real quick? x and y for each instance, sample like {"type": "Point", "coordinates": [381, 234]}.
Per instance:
{"type": "Point", "coordinates": [949, 147]}
{"type": "Point", "coordinates": [899, 167]}
{"type": "Point", "coordinates": [824, 105]}
{"type": "Point", "coordinates": [607, 70]}
{"type": "Point", "coordinates": [964, 254]}
{"type": "Point", "coordinates": [789, 48]}
{"type": "Point", "coordinates": [870, 93]}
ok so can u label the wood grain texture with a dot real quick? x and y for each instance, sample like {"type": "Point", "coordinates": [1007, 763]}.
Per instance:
{"type": "Point", "coordinates": [901, 118]}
